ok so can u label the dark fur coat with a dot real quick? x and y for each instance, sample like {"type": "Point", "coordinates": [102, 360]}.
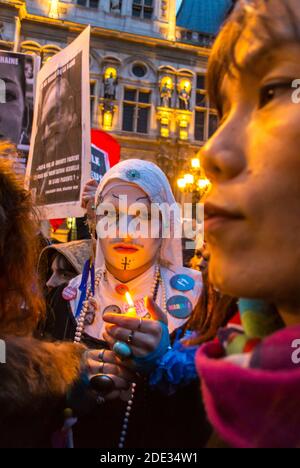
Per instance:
{"type": "Point", "coordinates": [34, 382]}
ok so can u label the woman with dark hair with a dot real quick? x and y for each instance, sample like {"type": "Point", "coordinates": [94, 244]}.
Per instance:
{"type": "Point", "coordinates": [18, 230]}
{"type": "Point", "coordinates": [251, 380]}
{"type": "Point", "coordinates": [36, 376]}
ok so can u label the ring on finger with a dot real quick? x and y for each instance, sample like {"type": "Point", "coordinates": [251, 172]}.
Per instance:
{"type": "Point", "coordinates": [130, 337]}
{"type": "Point", "coordinates": [101, 355]}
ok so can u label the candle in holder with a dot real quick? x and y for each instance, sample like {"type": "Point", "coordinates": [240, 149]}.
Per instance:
{"type": "Point", "coordinates": [132, 310]}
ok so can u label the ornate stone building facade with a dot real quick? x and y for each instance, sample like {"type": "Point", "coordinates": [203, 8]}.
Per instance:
{"type": "Point", "coordinates": [146, 72]}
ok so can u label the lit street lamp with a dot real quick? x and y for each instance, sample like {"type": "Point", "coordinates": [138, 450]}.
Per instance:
{"type": "Point", "coordinates": [194, 182]}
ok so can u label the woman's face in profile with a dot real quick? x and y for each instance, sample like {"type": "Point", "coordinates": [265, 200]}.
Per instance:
{"type": "Point", "coordinates": [12, 110]}
{"type": "Point", "coordinates": [253, 211]}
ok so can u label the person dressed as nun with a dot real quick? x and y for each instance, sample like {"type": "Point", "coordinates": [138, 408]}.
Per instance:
{"type": "Point", "coordinates": [131, 263]}
{"type": "Point", "coordinates": [132, 308]}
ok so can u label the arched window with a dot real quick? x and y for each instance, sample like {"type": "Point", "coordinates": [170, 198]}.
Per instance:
{"type": "Point", "coordinates": [48, 51]}
{"type": "Point", "coordinates": [31, 47]}
{"type": "Point", "coordinates": [45, 52]}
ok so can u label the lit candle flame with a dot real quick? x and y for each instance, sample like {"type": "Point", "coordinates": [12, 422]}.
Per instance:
{"type": "Point", "coordinates": [129, 299]}
{"type": "Point", "coordinates": [131, 311]}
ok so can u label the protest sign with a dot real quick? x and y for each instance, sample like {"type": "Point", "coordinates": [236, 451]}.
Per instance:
{"type": "Point", "coordinates": [59, 159]}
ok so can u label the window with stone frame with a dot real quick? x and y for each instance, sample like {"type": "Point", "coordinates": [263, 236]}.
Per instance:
{"type": "Point", "coordinates": [88, 3]}
{"type": "Point", "coordinates": [200, 117]}
{"type": "Point", "coordinates": [143, 9]}
{"type": "Point", "coordinates": [136, 110]}
{"type": "Point", "coordinates": [206, 119]}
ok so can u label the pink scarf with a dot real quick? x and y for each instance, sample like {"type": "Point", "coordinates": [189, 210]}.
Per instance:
{"type": "Point", "coordinates": [257, 406]}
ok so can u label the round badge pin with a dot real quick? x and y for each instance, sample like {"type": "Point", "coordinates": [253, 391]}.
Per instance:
{"type": "Point", "coordinates": [122, 289]}
{"type": "Point", "coordinates": [69, 293]}
{"type": "Point", "coordinates": [182, 283]}
{"type": "Point", "coordinates": [179, 307]}
{"type": "Point", "coordinates": [112, 309]}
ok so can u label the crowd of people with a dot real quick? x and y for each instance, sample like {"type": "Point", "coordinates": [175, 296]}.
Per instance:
{"type": "Point", "coordinates": [112, 342]}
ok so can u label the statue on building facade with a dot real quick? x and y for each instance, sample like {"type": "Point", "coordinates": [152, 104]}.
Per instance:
{"type": "Point", "coordinates": [166, 95]}
{"type": "Point", "coordinates": [184, 98]}
{"type": "Point", "coordinates": [110, 86]}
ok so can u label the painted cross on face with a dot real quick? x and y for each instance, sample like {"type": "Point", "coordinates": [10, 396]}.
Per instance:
{"type": "Point", "coordinates": [126, 263]}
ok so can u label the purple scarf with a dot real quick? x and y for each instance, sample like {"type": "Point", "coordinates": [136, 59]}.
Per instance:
{"type": "Point", "coordinates": [257, 406]}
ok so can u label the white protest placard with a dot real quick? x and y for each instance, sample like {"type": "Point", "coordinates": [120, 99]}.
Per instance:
{"type": "Point", "coordinates": [59, 158]}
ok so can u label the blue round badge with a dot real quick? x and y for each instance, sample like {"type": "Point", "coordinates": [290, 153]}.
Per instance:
{"type": "Point", "coordinates": [179, 307]}
{"type": "Point", "coordinates": [182, 282]}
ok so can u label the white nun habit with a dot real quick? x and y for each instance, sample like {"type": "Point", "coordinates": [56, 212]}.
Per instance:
{"type": "Point", "coordinates": [154, 183]}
